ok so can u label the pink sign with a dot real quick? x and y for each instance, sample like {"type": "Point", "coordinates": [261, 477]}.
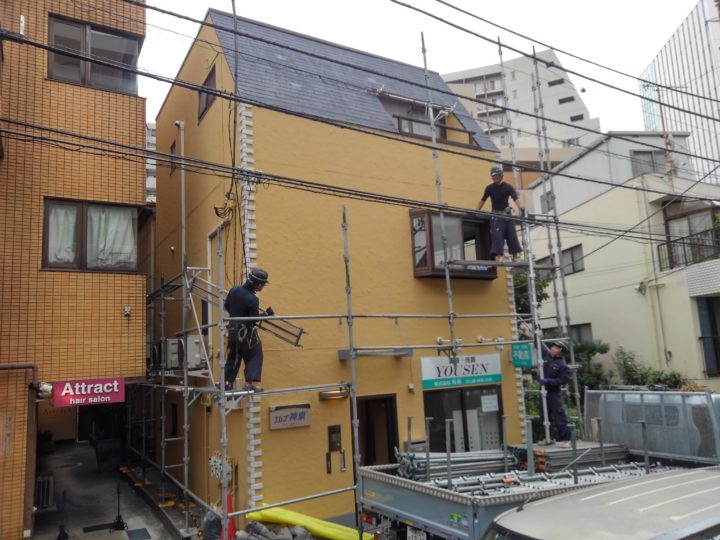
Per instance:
{"type": "Point", "coordinates": [88, 392]}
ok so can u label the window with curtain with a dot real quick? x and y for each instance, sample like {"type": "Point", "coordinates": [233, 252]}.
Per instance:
{"type": "Point", "coordinates": [87, 236]}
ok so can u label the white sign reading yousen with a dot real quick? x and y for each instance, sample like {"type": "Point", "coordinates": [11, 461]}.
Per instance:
{"type": "Point", "coordinates": [440, 372]}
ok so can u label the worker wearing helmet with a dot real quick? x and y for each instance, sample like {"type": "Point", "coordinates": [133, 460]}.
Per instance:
{"type": "Point", "coordinates": [555, 374]}
{"type": "Point", "coordinates": [243, 340]}
{"type": "Point", "coordinates": [502, 229]}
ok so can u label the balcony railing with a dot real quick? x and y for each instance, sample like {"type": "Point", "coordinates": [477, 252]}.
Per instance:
{"type": "Point", "coordinates": [689, 249]}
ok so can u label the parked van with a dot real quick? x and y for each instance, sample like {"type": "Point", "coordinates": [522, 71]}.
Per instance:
{"type": "Point", "coordinates": [680, 504]}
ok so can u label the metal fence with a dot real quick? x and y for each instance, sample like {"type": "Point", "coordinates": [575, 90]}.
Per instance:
{"type": "Point", "coordinates": [689, 249]}
{"type": "Point", "coordinates": [671, 425]}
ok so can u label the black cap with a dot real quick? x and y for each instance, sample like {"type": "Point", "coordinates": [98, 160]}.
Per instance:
{"type": "Point", "coordinates": [559, 344]}
{"type": "Point", "coordinates": [258, 275]}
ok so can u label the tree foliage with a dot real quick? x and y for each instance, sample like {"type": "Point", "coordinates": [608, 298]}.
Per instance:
{"type": "Point", "coordinates": [632, 372]}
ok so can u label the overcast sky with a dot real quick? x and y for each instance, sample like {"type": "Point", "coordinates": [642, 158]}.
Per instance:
{"type": "Point", "coordinates": [622, 34]}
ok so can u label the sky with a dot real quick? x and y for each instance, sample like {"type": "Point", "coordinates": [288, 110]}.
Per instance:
{"type": "Point", "coordinates": [622, 34]}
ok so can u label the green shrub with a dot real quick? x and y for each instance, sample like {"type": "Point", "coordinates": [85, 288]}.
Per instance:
{"type": "Point", "coordinates": [632, 372]}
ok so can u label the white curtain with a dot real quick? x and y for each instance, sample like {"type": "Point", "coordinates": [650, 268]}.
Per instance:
{"type": "Point", "coordinates": [111, 237]}
{"type": "Point", "coordinates": [62, 226]}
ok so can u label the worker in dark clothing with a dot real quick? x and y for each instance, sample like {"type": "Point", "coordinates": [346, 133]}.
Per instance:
{"type": "Point", "coordinates": [243, 340]}
{"type": "Point", "coordinates": [555, 374]}
{"type": "Point", "coordinates": [502, 228]}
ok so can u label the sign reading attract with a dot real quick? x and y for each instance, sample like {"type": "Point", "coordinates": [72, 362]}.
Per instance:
{"type": "Point", "coordinates": [88, 392]}
{"type": "Point", "coordinates": [440, 372]}
{"type": "Point", "coordinates": [522, 355]}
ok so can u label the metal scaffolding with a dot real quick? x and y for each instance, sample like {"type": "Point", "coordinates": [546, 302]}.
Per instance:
{"type": "Point", "coordinates": [193, 286]}
{"type": "Point", "coordinates": [164, 381]}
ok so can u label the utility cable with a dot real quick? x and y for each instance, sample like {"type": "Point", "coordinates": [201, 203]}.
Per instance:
{"type": "Point", "coordinates": [549, 64]}
{"type": "Point", "coordinates": [571, 55]}
{"type": "Point", "coordinates": [420, 85]}
{"type": "Point", "coordinates": [203, 167]}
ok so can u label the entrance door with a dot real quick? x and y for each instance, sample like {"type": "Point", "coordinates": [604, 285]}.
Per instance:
{"type": "Point", "coordinates": [378, 429]}
{"type": "Point", "coordinates": [476, 416]}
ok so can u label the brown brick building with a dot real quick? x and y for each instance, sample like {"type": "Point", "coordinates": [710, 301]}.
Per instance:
{"type": "Point", "coordinates": [72, 303]}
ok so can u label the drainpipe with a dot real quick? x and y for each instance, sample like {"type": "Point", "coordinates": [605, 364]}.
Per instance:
{"type": "Point", "coordinates": [658, 302]}
{"type": "Point", "coordinates": [31, 455]}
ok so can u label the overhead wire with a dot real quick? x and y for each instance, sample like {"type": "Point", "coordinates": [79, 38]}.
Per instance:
{"type": "Point", "coordinates": [223, 171]}
{"type": "Point", "coordinates": [205, 89]}
{"type": "Point", "coordinates": [572, 55]}
{"type": "Point", "coordinates": [414, 83]}
{"type": "Point", "coordinates": [535, 57]}
{"type": "Point", "coordinates": [342, 125]}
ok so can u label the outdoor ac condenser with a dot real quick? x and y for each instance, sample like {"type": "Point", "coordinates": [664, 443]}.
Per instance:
{"type": "Point", "coordinates": [194, 353]}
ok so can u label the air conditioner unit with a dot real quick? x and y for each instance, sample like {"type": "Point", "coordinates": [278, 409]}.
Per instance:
{"type": "Point", "coordinates": [195, 355]}
{"type": "Point", "coordinates": [174, 358]}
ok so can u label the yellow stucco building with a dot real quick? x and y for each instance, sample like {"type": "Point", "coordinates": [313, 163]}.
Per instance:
{"type": "Point", "coordinates": [70, 310]}
{"type": "Point", "coordinates": [320, 128]}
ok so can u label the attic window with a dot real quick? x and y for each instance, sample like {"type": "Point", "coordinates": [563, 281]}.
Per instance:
{"type": "Point", "coordinates": [556, 82]}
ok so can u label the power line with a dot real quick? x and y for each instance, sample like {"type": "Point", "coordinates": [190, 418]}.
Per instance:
{"type": "Point", "coordinates": [417, 84]}
{"type": "Point", "coordinates": [205, 167]}
{"type": "Point", "coordinates": [565, 52]}
{"type": "Point", "coordinates": [536, 58]}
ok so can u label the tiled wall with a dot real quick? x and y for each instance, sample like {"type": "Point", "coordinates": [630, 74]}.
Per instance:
{"type": "Point", "coordinates": [69, 323]}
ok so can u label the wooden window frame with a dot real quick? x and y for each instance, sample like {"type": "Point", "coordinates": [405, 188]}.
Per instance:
{"type": "Point", "coordinates": [429, 269]}
{"type": "Point", "coordinates": [80, 237]}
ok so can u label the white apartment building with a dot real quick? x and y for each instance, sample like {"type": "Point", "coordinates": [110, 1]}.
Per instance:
{"type": "Point", "coordinates": [684, 78]}
{"type": "Point", "coordinates": [655, 291]}
{"type": "Point", "coordinates": [513, 85]}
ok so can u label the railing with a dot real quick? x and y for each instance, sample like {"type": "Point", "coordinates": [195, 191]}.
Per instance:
{"type": "Point", "coordinates": [689, 249]}
{"type": "Point", "coordinates": [669, 425]}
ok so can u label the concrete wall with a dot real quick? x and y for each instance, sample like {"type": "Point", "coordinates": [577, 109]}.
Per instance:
{"type": "Point", "coordinates": [628, 303]}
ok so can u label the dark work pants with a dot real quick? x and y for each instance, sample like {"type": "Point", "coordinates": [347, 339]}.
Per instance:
{"type": "Point", "coordinates": [247, 348]}
{"type": "Point", "coordinates": [556, 412]}
{"type": "Point", "coordinates": [501, 230]}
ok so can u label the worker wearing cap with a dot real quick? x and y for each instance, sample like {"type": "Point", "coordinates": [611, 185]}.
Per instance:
{"type": "Point", "coordinates": [555, 374]}
{"type": "Point", "coordinates": [243, 341]}
{"type": "Point", "coordinates": [502, 229]}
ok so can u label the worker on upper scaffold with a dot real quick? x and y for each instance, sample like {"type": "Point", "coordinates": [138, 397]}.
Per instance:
{"type": "Point", "coordinates": [243, 341]}
{"type": "Point", "coordinates": [502, 229]}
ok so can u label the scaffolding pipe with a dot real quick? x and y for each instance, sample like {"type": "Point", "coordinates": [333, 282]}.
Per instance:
{"type": "Point", "coordinates": [538, 333]}
{"type": "Point", "coordinates": [377, 316]}
{"type": "Point", "coordinates": [563, 327]}
{"type": "Point", "coordinates": [353, 384]}
{"type": "Point", "coordinates": [222, 398]}
{"type": "Point", "coordinates": [240, 393]}
{"type": "Point", "coordinates": [179, 484]}
{"type": "Point", "coordinates": [438, 187]}
{"type": "Point", "coordinates": [293, 501]}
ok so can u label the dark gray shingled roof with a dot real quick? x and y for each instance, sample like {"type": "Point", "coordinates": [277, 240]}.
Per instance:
{"type": "Point", "coordinates": [273, 75]}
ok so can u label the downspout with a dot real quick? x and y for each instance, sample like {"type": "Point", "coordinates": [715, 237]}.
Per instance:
{"type": "Point", "coordinates": [658, 302]}
{"type": "Point", "coordinates": [31, 448]}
